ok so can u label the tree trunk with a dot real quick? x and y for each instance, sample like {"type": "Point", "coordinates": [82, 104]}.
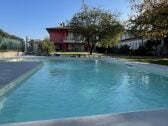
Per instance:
{"type": "Point", "coordinates": [156, 47]}
{"type": "Point", "coordinates": [106, 51]}
{"type": "Point", "coordinates": [156, 50]}
{"type": "Point", "coordinates": [88, 48]}
{"type": "Point", "coordinates": [88, 45]}
{"type": "Point", "coordinates": [162, 47]}
{"type": "Point", "coordinates": [91, 49]}
{"type": "Point", "coordinates": [142, 42]}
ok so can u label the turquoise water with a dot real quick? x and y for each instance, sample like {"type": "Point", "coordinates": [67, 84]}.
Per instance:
{"type": "Point", "coordinates": [62, 89]}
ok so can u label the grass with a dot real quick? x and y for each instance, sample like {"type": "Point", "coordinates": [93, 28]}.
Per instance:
{"type": "Point", "coordinates": [79, 53]}
{"type": "Point", "coordinates": [71, 53]}
{"type": "Point", "coordinates": [154, 61]}
{"type": "Point", "coordinates": [146, 59]}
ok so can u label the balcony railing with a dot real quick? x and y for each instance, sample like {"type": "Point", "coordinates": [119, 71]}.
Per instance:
{"type": "Point", "coordinates": [72, 40]}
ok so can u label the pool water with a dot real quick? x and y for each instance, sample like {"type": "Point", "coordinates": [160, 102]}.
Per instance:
{"type": "Point", "coordinates": [63, 89]}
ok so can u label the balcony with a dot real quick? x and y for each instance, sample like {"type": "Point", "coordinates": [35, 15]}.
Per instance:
{"type": "Point", "coordinates": [72, 40]}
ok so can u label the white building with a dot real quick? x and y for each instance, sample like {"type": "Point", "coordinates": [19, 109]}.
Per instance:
{"type": "Point", "coordinates": [131, 40]}
{"type": "Point", "coordinates": [32, 46]}
{"type": "Point", "coordinates": [135, 42]}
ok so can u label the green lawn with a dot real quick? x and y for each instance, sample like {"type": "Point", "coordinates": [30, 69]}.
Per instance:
{"type": "Point", "coordinates": [79, 53]}
{"type": "Point", "coordinates": [146, 59]}
{"type": "Point", "coordinates": [154, 61]}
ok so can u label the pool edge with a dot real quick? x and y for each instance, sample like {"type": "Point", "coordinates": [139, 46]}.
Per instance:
{"type": "Point", "coordinates": [19, 79]}
{"type": "Point", "coordinates": [149, 67]}
{"type": "Point", "coordinates": [152, 117]}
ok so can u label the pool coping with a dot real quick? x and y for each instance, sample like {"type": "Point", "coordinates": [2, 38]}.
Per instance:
{"type": "Point", "coordinates": [156, 68]}
{"type": "Point", "coordinates": [9, 86]}
{"type": "Point", "coordinates": [87, 58]}
{"type": "Point", "coordinates": [138, 118]}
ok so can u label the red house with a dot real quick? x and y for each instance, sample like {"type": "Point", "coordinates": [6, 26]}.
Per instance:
{"type": "Point", "coordinates": [64, 40]}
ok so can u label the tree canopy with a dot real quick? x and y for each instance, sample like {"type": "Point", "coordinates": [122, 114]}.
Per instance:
{"type": "Point", "coordinates": [47, 47]}
{"type": "Point", "coordinates": [7, 35]}
{"type": "Point", "coordinates": [10, 42]}
{"type": "Point", "coordinates": [96, 26]}
{"type": "Point", "coordinates": [150, 18]}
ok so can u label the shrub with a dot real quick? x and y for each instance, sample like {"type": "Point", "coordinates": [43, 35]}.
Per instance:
{"type": "Point", "coordinates": [11, 44]}
{"type": "Point", "coordinates": [46, 47]}
{"type": "Point", "coordinates": [141, 51]}
{"type": "Point", "coordinates": [3, 47]}
{"type": "Point", "coordinates": [124, 50]}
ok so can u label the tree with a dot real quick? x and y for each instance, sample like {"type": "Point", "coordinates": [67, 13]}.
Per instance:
{"type": "Point", "coordinates": [10, 42]}
{"type": "Point", "coordinates": [47, 47]}
{"type": "Point", "coordinates": [7, 35]}
{"type": "Point", "coordinates": [96, 26]}
{"type": "Point", "coordinates": [150, 18]}
{"type": "Point", "coordinates": [3, 47]}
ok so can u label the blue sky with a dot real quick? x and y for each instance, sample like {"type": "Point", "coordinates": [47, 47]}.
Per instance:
{"type": "Point", "coordinates": [31, 17]}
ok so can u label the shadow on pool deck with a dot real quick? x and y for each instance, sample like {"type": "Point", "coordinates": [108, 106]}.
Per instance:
{"type": "Point", "coordinates": [142, 118]}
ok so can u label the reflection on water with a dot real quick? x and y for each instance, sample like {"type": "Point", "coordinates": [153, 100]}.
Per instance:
{"type": "Point", "coordinates": [2, 102]}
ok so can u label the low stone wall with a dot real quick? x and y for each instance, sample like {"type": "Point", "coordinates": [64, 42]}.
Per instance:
{"type": "Point", "coordinates": [10, 54]}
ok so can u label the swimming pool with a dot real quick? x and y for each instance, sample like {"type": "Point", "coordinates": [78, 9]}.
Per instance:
{"type": "Point", "coordinates": [71, 88]}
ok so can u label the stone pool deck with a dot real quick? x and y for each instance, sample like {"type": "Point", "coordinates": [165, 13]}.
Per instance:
{"type": "Point", "coordinates": [142, 118]}
{"type": "Point", "coordinates": [13, 71]}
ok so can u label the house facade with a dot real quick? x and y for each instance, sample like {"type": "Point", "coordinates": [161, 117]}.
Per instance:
{"type": "Point", "coordinates": [131, 41]}
{"type": "Point", "coordinates": [135, 42]}
{"type": "Point", "coordinates": [64, 39]}
{"type": "Point", "coordinates": [32, 46]}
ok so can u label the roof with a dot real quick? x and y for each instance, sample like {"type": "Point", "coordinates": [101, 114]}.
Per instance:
{"type": "Point", "coordinates": [59, 28]}
{"type": "Point", "coordinates": [34, 41]}
{"type": "Point", "coordinates": [130, 36]}
{"type": "Point", "coordinates": [128, 39]}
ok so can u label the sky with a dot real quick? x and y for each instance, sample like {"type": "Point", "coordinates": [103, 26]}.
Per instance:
{"type": "Point", "coordinates": [30, 17]}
